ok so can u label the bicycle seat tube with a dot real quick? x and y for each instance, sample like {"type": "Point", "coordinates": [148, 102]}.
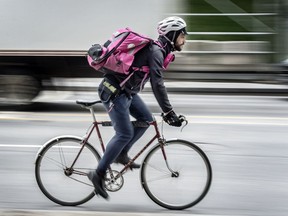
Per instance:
{"type": "Point", "coordinates": [92, 113]}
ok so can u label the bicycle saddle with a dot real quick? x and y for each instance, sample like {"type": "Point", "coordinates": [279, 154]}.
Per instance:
{"type": "Point", "coordinates": [87, 103]}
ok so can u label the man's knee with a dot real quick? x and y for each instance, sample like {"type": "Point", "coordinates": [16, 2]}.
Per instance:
{"type": "Point", "coordinates": [125, 136]}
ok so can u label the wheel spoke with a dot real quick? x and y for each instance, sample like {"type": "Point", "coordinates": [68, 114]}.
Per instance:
{"type": "Point", "coordinates": [61, 154]}
{"type": "Point", "coordinates": [56, 162]}
{"type": "Point", "coordinates": [158, 168]}
{"type": "Point", "coordinates": [166, 173]}
{"type": "Point", "coordinates": [80, 181]}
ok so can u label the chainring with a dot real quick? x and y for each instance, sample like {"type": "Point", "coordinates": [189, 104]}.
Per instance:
{"type": "Point", "coordinates": [114, 181]}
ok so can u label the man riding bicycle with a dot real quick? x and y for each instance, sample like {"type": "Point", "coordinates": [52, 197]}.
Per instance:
{"type": "Point", "coordinates": [127, 102]}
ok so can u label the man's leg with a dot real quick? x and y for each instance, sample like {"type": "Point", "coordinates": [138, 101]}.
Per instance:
{"type": "Point", "coordinates": [140, 112]}
{"type": "Point", "coordinates": [124, 131]}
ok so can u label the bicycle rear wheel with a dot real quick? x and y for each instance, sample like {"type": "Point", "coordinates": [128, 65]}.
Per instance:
{"type": "Point", "coordinates": [62, 185]}
{"type": "Point", "coordinates": [185, 184]}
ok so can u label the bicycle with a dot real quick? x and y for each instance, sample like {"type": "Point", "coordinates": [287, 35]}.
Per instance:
{"type": "Point", "coordinates": [176, 174]}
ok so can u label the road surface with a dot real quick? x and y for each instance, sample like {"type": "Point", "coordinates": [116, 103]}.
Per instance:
{"type": "Point", "coordinates": [245, 139]}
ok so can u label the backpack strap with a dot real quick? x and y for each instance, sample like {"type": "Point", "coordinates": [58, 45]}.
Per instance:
{"type": "Point", "coordinates": [170, 57]}
{"type": "Point", "coordinates": [144, 69]}
{"type": "Point", "coordinates": [126, 79]}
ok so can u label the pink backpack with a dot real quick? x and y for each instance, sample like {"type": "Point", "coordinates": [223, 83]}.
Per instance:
{"type": "Point", "coordinates": [118, 53]}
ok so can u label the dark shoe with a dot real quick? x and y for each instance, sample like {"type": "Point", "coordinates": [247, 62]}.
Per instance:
{"type": "Point", "coordinates": [98, 183]}
{"type": "Point", "coordinates": [125, 160]}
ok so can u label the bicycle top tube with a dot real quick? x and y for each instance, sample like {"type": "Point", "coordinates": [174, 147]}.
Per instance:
{"type": "Point", "coordinates": [89, 104]}
{"type": "Point", "coordinates": [135, 123]}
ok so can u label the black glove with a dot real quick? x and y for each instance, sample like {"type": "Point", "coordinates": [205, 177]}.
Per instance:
{"type": "Point", "coordinates": [95, 51]}
{"type": "Point", "coordinates": [172, 119]}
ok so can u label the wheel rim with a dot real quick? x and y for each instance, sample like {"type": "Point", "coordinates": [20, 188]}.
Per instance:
{"type": "Point", "coordinates": [57, 181]}
{"type": "Point", "coordinates": [169, 190]}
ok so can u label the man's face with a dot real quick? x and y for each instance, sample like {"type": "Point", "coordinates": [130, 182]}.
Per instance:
{"type": "Point", "coordinates": [180, 42]}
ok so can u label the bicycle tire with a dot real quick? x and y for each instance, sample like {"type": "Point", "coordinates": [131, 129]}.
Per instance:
{"type": "Point", "coordinates": [51, 163]}
{"type": "Point", "coordinates": [172, 192]}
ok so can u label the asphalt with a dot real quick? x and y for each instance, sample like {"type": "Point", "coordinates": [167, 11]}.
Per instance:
{"type": "Point", "coordinates": [225, 88]}
{"type": "Point", "coordinates": [20, 212]}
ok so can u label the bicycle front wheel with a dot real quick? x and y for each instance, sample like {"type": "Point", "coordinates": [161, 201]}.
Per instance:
{"type": "Point", "coordinates": [179, 178]}
{"type": "Point", "coordinates": [61, 183]}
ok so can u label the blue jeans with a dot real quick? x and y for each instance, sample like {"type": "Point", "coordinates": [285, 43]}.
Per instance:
{"type": "Point", "coordinates": [125, 133]}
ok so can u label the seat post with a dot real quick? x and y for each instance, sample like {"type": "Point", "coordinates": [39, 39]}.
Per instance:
{"type": "Point", "coordinates": [92, 113]}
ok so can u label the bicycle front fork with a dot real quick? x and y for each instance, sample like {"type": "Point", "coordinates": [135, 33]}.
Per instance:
{"type": "Point", "coordinates": [162, 142]}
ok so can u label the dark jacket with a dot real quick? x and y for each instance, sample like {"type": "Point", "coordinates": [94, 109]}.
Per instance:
{"type": "Point", "coordinates": [152, 56]}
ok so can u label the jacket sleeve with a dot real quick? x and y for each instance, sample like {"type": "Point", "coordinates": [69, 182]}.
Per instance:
{"type": "Point", "coordinates": [156, 79]}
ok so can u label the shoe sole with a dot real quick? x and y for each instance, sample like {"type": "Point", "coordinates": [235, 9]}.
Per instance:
{"type": "Point", "coordinates": [97, 192]}
{"type": "Point", "coordinates": [131, 166]}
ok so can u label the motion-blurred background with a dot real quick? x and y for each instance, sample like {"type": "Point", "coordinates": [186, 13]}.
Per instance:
{"type": "Point", "coordinates": [230, 82]}
{"type": "Point", "coordinates": [43, 44]}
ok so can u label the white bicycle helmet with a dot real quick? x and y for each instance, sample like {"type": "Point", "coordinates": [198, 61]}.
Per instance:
{"type": "Point", "coordinates": [172, 23]}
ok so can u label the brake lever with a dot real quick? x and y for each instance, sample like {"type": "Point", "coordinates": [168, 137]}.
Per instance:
{"type": "Point", "coordinates": [183, 119]}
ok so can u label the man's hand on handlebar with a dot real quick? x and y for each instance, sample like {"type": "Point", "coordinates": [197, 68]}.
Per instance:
{"type": "Point", "coordinates": [172, 119]}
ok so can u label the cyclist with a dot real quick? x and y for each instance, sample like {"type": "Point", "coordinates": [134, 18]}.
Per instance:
{"type": "Point", "coordinates": [172, 36]}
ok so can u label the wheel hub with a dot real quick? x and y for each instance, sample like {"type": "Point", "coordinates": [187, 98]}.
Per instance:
{"type": "Point", "coordinates": [68, 171]}
{"type": "Point", "coordinates": [175, 175]}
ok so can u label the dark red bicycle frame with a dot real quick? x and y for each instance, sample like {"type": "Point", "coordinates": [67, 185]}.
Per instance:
{"type": "Point", "coordinates": [108, 123]}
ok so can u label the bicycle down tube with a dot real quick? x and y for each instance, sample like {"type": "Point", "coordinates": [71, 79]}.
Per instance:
{"type": "Point", "coordinates": [157, 135]}
{"type": "Point", "coordinates": [108, 123]}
